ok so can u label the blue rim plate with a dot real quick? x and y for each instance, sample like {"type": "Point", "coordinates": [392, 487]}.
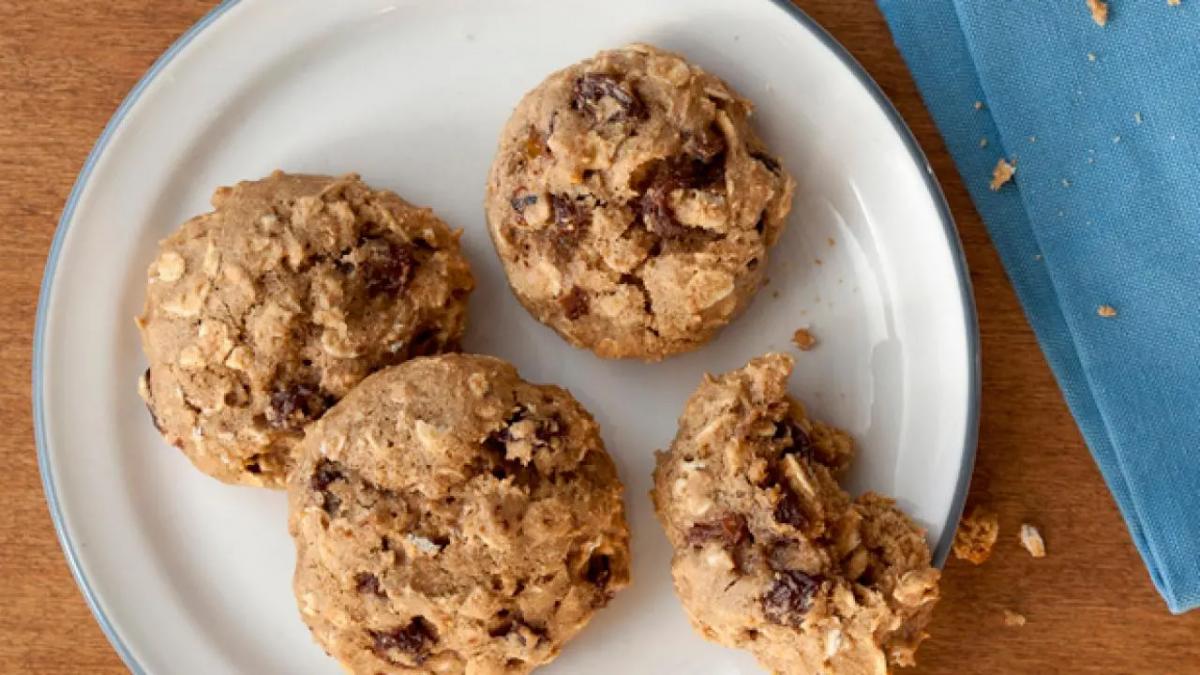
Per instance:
{"type": "Point", "coordinates": [969, 320]}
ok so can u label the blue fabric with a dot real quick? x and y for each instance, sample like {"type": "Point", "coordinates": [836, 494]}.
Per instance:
{"type": "Point", "coordinates": [1104, 127]}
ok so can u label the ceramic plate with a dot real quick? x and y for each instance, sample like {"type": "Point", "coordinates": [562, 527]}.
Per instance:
{"type": "Point", "coordinates": [187, 575]}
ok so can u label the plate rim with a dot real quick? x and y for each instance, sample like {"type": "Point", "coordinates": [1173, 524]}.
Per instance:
{"type": "Point", "coordinates": [899, 126]}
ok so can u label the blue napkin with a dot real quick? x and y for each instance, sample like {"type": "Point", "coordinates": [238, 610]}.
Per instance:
{"type": "Point", "coordinates": [1102, 216]}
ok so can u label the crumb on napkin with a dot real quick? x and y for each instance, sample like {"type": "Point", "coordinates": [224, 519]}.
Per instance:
{"type": "Point", "coordinates": [1099, 10]}
{"type": "Point", "coordinates": [1106, 311]}
{"type": "Point", "coordinates": [976, 535]}
{"type": "Point", "coordinates": [804, 340]}
{"type": "Point", "coordinates": [1002, 174]}
{"type": "Point", "coordinates": [1032, 540]}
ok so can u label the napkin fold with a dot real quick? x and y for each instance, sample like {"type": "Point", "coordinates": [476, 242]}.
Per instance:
{"type": "Point", "coordinates": [1099, 229]}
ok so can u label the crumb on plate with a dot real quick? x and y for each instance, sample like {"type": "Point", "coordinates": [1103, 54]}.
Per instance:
{"type": "Point", "coordinates": [1032, 540]}
{"type": "Point", "coordinates": [804, 340]}
{"type": "Point", "coordinates": [976, 535]}
{"type": "Point", "coordinates": [1014, 619]}
{"type": "Point", "coordinates": [1002, 174]}
{"type": "Point", "coordinates": [1099, 10]}
{"type": "Point", "coordinates": [1106, 311]}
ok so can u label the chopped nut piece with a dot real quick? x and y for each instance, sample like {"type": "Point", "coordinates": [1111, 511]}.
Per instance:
{"type": "Point", "coordinates": [1099, 10]}
{"type": "Point", "coordinates": [804, 340]}
{"type": "Point", "coordinates": [1002, 174]}
{"type": "Point", "coordinates": [1032, 540]}
{"type": "Point", "coordinates": [1013, 619]}
{"type": "Point", "coordinates": [977, 534]}
{"type": "Point", "coordinates": [1106, 311]}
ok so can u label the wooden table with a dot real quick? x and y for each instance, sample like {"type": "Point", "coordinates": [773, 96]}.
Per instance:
{"type": "Point", "coordinates": [64, 67]}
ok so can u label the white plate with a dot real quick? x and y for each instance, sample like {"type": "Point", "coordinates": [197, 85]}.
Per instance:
{"type": "Point", "coordinates": [188, 575]}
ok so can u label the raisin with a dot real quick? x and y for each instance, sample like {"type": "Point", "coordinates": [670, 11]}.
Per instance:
{"type": "Point", "coordinates": [292, 408]}
{"type": "Point", "coordinates": [790, 512]}
{"type": "Point", "coordinates": [599, 571]}
{"type": "Point", "coordinates": [790, 597]}
{"type": "Point", "coordinates": [592, 88]}
{"type": "Point", "coordinates": [326, 473]}
{"type": "Point", "coordinates": [802, 445]}
{"type": "Point", "coordinates": [365, 582]}
{"type": "Point", "coordinates": [657, 213]}
{"type": "Point", "coordinates": [574, 303]}
{"type": "Point", "coordinates": [766, 160]}
{"type": "Point", "coordinates": [729, 528]}
{"type": "Point", "coordinates": [521, 202]}
{"type": "Point", "coordinates": [413, 640]}
{"type": "Point", "coordinates": [385, 267]}
{"type": "Point", "coordinates": [570, 223]}
{"type": "Point", "coordinates": [676, 174]}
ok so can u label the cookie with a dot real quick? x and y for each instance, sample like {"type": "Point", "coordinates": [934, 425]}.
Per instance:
{"type": "Point", "coordinates": [632, 204]}
{"type": "Point", "coordinates": [261, 314]}
{"type": "Point", "coordinates": [450, 517]}
{"type": "Point", "coordinates": [770, 554]}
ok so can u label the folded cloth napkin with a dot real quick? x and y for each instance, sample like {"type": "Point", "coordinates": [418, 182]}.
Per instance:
{"type": "Point", "coordinates": [1099, 229]}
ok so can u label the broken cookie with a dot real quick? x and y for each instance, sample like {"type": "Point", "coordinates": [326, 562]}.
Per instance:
{"type": "Point", "coordinates": [771, 555]}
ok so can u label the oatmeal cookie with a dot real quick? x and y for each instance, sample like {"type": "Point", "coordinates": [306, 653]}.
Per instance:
{"type": "Point", "coordinates": [632, 204]}
{"type": "Point", "coordinates": [771, 555]}
{"type": "Point", "coordinates": [261, 314]}
{"type": "Point", "coordinates": [450, 517]}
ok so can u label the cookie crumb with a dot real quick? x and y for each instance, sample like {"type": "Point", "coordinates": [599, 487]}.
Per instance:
{"type": "Point", "coordinates": [983, 142]}
{"type": "Point", "coordinates": [1032, 540]}
{"type": "Point", "coordinates": [830, 241]}
{"type": "Point", "coordinates": [1091, 56]}
{"type": "Point", "coordinates": [1173, 3]}
{"type": "Point", "coordinates": [1137, 118]}
{"type": "Point", "coordinates": [977, 534]}
{"type": "Point", "coordinates": [1106, 311]}
{"type": "Point", "coordinates": [804, 340]}
{"type": "Point", "coordinates": [979, 105]}
{"type": "Point", "coordinates": [1099, 10]}
{"type": "Point", "coordinates": [1013, 619]}
{"type": "Point", "coordinates": [1002, 174]}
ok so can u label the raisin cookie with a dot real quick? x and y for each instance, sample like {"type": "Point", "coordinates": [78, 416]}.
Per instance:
{"type": "Point", "coordinates": [450, 517]}
{"type": "Point", "coordinates": [633, 205]}
{"type": "Point", "coordinates": [264, 312]}
{"type": "Point", "coordinates": [771, 555]}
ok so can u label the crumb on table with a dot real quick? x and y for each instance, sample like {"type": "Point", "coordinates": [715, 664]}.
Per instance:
{"type": "Point", "coordinates": [1032, 540]}
{"type": "Point", "coordinates": [1099, 10]}
{"type": "Point", "coordinates": [1173, 2]}
{"type": "Point", "coordinates": [1014, 619]}
{"type": "Point", "coordinates": [804, 340]}
{"type": "Point", "coordinates": [979, 105]}
{"type": "Point", "coordinates": [1106, 311]}
{"type": "Point", "coordinates": [1002, 174]}
{"type": "Point", "coordinates": [976, 535]}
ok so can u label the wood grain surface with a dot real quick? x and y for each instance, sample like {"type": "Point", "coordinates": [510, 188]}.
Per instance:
{"type": "Point", "coordinates": [65, 65]}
